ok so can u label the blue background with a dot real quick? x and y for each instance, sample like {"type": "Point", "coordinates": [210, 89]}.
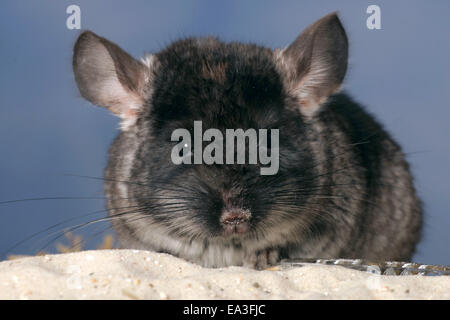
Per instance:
{"type": "Point", "coordinates": [401, 73]}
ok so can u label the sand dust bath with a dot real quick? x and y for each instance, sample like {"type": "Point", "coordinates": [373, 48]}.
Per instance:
{"type": "Point", "coordinates": [134, 274]}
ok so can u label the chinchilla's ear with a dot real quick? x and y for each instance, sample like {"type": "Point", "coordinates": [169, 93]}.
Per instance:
{"type": "Point", "coordinates": [109, 77]}
{"type": "Point", "coordinates": [314, 65]}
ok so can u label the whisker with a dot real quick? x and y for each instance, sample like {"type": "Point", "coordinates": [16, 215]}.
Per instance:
{"type": "Point", "coordinates": [61, 233]}
{"type": "Point", "coordinates": [28, 238]}
{"type": "Point", "coordinates": [50, 198]}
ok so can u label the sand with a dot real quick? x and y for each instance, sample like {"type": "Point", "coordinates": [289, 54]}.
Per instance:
{"type": "Point", "coordinates": [134, 274]}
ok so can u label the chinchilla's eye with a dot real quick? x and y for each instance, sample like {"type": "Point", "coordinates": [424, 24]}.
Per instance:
{"type": "Point", "coordinates": [186, 151]}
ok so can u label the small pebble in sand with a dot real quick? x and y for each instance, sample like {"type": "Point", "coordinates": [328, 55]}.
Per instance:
{"type": "Point", "coordinates": [273, 268]}
{"type": "Point", "coordinates": [129, 294]}
{"type": "Point", "coordinates": [164, 296]}
{"type": "Point", "coordinates": [25, 295]}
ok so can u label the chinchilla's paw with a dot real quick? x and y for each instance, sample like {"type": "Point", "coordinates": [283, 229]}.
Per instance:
{"type": "Point", "coordinates": [262, 259]}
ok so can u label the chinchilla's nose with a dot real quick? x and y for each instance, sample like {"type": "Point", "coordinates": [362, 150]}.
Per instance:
{"type": "Point", "coordinates": [235, 220]}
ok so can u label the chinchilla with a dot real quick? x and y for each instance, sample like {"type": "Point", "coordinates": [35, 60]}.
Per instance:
{"type": "Point", "coordinates": [342, 189]}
